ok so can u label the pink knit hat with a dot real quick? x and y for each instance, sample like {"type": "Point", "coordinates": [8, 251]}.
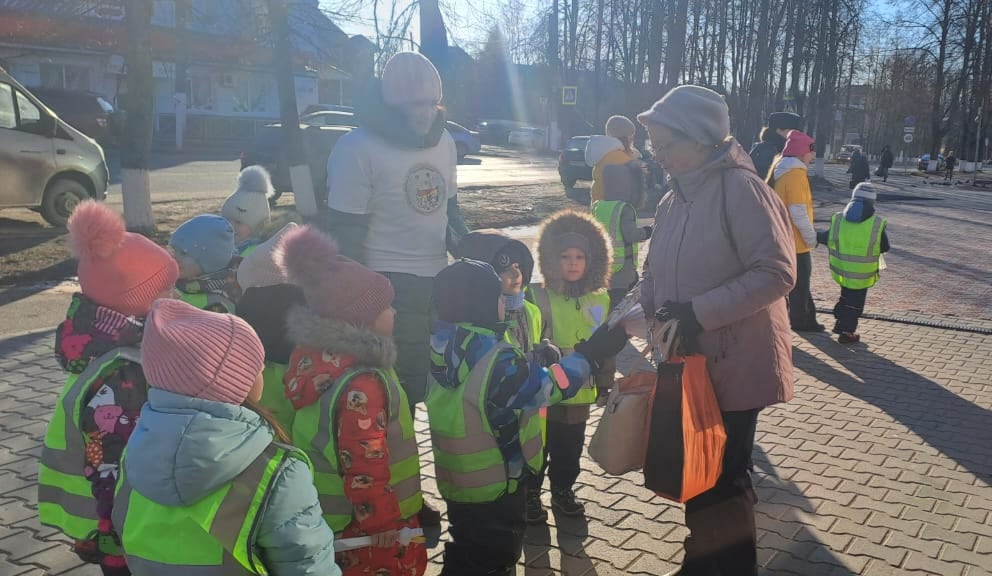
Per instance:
{"type": "Point", "coordinates": [798, 143]}
{"type": "Point", "coordinates": [200, 354]}
{"type": "Point", "coordinates": [123, 271]}
{"type": "Point", "coordinates": [334, 286]}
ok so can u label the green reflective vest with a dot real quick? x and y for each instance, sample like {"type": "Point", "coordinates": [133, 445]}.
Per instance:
{"type": "Point", "coordinates": [248, 250]}
{"type": "Point", "coordinates": [204, 301]}
{"type": "Point", "coordinates": [570, 320]}
{"type": "Point", "coordinates": [314, 430]}
{"type": "Point", "coordinates": [467, 460]}
{"type": "Point", "coordinates": [855, 248]}
{"type": "Point", "coordinates": [65, 496]}
{"type": "Point", "coordinates": [274, 396]}
{"type": "Point", "coordinates": [608, 213]}
{"type": "Point", "coordinates": [213, 537]}
{"type": "Point", "coordinates": [532, 315]}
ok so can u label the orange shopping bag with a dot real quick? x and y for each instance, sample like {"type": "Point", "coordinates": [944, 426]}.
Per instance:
{"type": "Point", "coordinates": [686, 437]}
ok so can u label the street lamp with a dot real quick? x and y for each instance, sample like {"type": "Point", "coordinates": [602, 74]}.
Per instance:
{"type": "Point", "coordinates": [978, 141]}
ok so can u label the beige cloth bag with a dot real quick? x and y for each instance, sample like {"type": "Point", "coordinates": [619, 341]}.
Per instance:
{"type": "Point", "coordinates": [621, 437]}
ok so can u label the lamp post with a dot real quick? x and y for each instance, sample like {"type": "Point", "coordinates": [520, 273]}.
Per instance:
{"type": "Point", "coordinates": [978, 141]}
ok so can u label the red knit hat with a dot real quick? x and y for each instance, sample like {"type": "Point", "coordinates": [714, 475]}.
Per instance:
{"type": "Point", "coordinates": [798, 143]}
{"type": "Point", "coordinates": [200, 354]}
{"type": "Point", "coordinates": [123, 271]}
{"type": "Point", "coordinates": [334, 286]}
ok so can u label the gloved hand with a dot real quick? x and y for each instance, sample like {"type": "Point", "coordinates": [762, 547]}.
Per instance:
{"type": "Point", "coordinates": [604, 343]}
{"type": "Point", "coordinates": [647, 232]}
{"type": "Point", "coordinates": [689, 327]}
{"type": "Point", "coordinates": [545, 354]}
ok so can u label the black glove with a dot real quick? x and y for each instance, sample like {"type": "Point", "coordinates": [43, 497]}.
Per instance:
{"type": "Point", "coordinates": [546, 354]}
{"type": "Point", "coordinates": [604, 343]}
{"type": "Point", "coordinates": [647, 232]}
{"type": "Point", "coordinates": [689, 327]}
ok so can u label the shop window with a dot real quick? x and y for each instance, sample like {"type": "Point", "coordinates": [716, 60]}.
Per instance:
{"type": "Point", "coordinates": [200, 93]}
{"type": "Point", "coordinates": [65, 76]}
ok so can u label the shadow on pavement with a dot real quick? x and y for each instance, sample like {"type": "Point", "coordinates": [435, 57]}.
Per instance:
{"type": "Point", "coordinates": [789, 531]}
{"type": "Point", "coordinates": [571, 537]}
{"type": "Point", "coordinates": [941, 418]}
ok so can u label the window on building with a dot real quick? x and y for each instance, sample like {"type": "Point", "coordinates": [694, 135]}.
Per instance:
{"type": "Point", "coordinates": [8, 118]}
{"type": "Point", "coordinates": [200, 93]}
{"type": "Point", "coordinates": [253, 95]}
{"type": "Point", "coordinates": [65, 76]}
{"type": "Point", "coordinates": [329, 92]}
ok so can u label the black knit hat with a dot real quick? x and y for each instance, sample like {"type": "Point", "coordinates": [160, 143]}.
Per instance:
{"type": "Point", "coordinates": [468, 291]}
{"type": "Point", "coordinates": [785, 121]}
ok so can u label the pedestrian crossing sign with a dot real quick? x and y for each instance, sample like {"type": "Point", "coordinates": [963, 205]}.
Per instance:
{"type": "Point", "coordinates": [569, 95]}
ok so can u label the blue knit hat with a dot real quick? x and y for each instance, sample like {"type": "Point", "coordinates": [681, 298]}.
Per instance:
{"type": "Point", "coordinates": [207, 239]}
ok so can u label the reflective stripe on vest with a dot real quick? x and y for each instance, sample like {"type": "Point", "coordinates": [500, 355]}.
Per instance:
{"type": "Point", "coordinates": [534, 321]}
{"type": "Point", "coordinates": [65, 496]}
{"type": "Point", "coordinates": [468, 462]}
{"type": "Point", "coordinates": [163, 540]}
{"type": "Point", "coordinates": [204, 301]}
{"type": "Point", "coordinates": [314, 432]}
{"type": "Point", "coordinates": [609, 213]}
{"type": "Point", "coordinates": [571, 320]}
{"type": "Point", "coordinates": [855, 248]}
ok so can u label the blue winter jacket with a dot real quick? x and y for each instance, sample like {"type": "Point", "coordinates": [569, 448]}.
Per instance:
{"type": "Point", "coordinates": [183, 448]}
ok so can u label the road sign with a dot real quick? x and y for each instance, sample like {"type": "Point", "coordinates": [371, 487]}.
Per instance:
{"type": "Point", "coordinates": [569, 95]}
{"type": "Point", "coordinates": [907, 138]}
{"type": "Point", "coordinates": [910, 121]}
{"type": "Point", "coordinates": [908, 129]}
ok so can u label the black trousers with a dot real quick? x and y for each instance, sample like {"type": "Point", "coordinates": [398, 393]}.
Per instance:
{"type": "Point", "coordinates": [723, 538]}
{"type": "Point", "coordinates": [562, 454]}
{"type": "Point", "coordinates": [802, 309]}
{"type": "Point", "coordinates": [849, 309]}
{"type": "Point", "coordinates": [486, 539]}
{"type": "Point", "coordinates": [412, 332]}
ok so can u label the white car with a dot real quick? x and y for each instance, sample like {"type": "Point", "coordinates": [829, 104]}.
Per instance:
{"type": "Point", "coordinates": [529, 138]}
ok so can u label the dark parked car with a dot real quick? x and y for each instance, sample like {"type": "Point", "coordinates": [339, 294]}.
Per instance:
{"type": "Point", "coordinates": [269, 152]}
{"type": "Point", "coordinates": [572, 165]}
{"type": "Point", "coordinates": [88, 112]}
{"type": "Point", "coordinates": [329, 118]}
{"type": "Point", "coordinates": [497, 132]}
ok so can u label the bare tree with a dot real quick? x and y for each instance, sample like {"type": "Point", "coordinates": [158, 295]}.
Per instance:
{"type": "Point", "coordinates": [136, 140]}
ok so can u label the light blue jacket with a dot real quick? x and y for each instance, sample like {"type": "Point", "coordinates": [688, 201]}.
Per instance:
{"type": "Point", "coordinates": [183, 448]}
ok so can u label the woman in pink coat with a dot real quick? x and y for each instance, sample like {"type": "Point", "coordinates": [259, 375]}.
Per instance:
{"type": "Point", "coordinates": [721, 260]}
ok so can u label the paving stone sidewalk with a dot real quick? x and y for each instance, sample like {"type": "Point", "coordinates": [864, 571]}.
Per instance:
{"type": "Point", "coordinates": [880, 466]}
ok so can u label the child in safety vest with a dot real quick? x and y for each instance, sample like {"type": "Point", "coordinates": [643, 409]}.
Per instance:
{"type": "Point", "coordinates": [203, 247]}
{"type": "Point", "coordinates": [575, 259]}
{"type": "Point", "coordinates": [513, 262]}
{"type": "Point", "coordinates": [624, 192]}
{"type": "Point", "coordinates": [267, 298]}
{"type": "Point", "coordinates": [208, 481]}
{"type": "Point", "coordinates": [482, 401]}
{"type": "Point", "coordinates": [353, 417]}
{"type": "Point", "coordinates": [120, 275]}
{"type": "Point", "coordinates": [247, 209]}
{"type": "Point", "coordinates": [856, 239]}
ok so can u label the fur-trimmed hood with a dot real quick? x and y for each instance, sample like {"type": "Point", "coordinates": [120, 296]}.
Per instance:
{"type": "Point", "coordinates": [599, 260]}
{"type": "Point", "coordinates": [304, 328]}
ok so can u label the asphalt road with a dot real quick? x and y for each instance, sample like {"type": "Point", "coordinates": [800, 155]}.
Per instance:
{"type": "Point", "coordinates": [175, 177]}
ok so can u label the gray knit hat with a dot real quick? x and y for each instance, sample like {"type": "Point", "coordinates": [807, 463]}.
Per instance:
{"type": "Point", "coordinates": [620, 127]}
{"type": "Point", "coordinates": [699, 113]}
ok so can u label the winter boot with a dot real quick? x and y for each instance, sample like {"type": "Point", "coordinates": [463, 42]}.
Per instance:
{"type": "Point", "coordinates": [849, 338]}
{"type": "Point", "coordinates": [564, 502]}
{"type": "Point", "coordinates": [536, 514]}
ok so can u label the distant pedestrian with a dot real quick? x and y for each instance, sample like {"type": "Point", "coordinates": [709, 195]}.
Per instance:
{"type": "Point", "coordinates": [616, 147]}
{"type": "Point", "coordinates": [950, 162]}
{"type": "Point", "coordinates": [773, 140]}
{"type": "Point", "coordinates": [859, 169]}
{"type": "Point", "coordinates": [790, 178]}
{"type": "Point", "coordinates": [885, 163]}
{"type": "Point", "coordinates": [857, 239]}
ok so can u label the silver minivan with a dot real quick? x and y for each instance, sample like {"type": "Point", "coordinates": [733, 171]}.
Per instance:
{"type": "Point", "coordinates": [45, 164]}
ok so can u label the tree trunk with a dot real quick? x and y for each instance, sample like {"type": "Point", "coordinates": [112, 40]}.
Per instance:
{"type": "Point", "coordinates": [937, 125]}
{"type": "Point", "coordinates": [756, 95]}
{"type": "Point", "coordinates": [299, 171]}
{"type": "Point", "coordinates": [599, 58]}
{"type": "Point", "coordinates": [655, 42]}
{"type": "Point", "coordinates": [182, 65]}
{"type": "Point", "coordinates": [136, 140]}
{"type": "Point", "coordinates": [675, 50]}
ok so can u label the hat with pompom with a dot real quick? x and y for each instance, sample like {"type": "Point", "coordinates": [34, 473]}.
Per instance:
{"type": "Point", "coordinates": [259, 269]}
{"type": "Point", "coordinates": [249, 205]}
{"type": "Point", "coordinates": [118, 269]}
{"type": "Point", "coordinates": [334, 286]}
{"type": "Point", "coordinates": [798, 144]}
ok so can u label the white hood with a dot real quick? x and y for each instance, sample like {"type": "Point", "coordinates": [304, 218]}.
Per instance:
{"type": "Point", "coordinates": [599, 146]}
{"type": "Point", "coordinates": [788, 163]}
